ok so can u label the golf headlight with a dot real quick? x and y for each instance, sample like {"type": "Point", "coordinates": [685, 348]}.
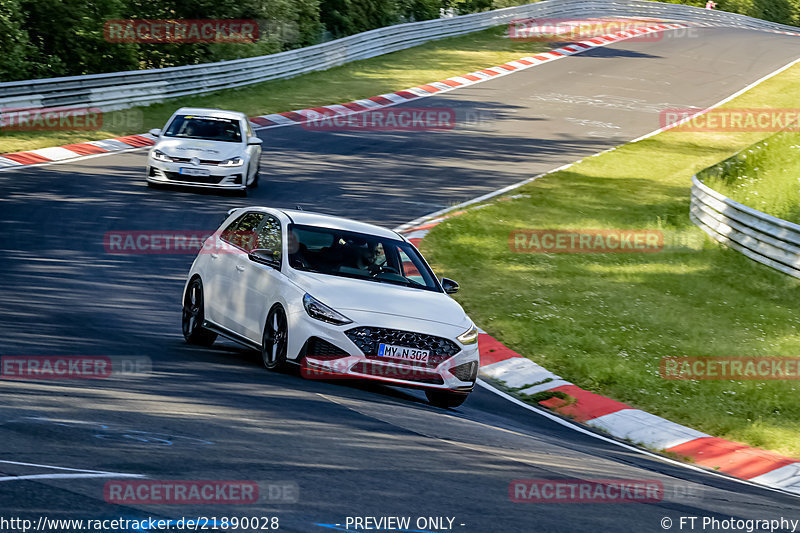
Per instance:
{"type": "Point", "coordinates": [469, 337]}
{"type": "Point", "coordinates": [320, 311]}
{"type": "Point", "coordinates": [233, 162]}
{"type": "Point", "coordinates": [158, 155]}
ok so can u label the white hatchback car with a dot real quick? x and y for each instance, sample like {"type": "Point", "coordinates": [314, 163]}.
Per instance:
{"type": "Point", "coordinates": [342, 299]}
{"type": "Point", "coordinates": [205, 148]}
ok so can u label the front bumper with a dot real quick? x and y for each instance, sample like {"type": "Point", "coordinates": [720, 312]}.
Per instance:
{"type": "Point", "coordinates": [230, 178]}
{"type": "Point", "coordinates": [330, 353]}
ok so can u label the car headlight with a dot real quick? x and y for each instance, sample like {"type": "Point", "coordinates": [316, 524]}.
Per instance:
{"type": "Point", "coordinates": [469, 337]}
{"type": "Point", "coordinates": [158, 155]}
{"type": "Point", "coordinates": [232, 162]}
{"type": "Point", "coordinates": [320, 311]}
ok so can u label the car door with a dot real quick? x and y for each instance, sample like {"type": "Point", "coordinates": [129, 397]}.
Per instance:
{"type": "Point", "coordinates": [213, 279]}
{"type": "Point", "coordinates": [259, 284]}
{"type": "Point", "coordinates": [227, 259]}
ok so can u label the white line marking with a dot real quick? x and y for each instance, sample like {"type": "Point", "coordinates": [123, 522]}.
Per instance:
{"type": "Point", "coordinates": [67, 476]}
{"type": "Point", "coordinates": [557, 419]}
{"type": "Point", "coordinates": [579, 429]}
{"type": "Point", "coordinates": [720, 103]}
{"type": "Point", "coordinates": [421, 220]}
{"type": "Point", "coordinates": [79, 472]}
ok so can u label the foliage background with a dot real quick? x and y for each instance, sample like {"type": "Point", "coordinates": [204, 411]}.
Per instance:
{"type": "Point", "coordinates": [51, 38]}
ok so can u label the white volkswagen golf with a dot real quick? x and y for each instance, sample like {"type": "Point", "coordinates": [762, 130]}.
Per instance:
{"type": "Point", "coordinates": [209, 148]}
{"type": "Point", "coordinates": [338, 297]}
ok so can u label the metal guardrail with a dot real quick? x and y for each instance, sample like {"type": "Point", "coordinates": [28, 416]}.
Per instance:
{"type": "Point", "coordinates": [761, 237]}
{"type": "Point", "coordinates": [120, 90]}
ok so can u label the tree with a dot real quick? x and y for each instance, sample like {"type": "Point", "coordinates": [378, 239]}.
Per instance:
{"type": "Point", "coordinates": [13, 42]}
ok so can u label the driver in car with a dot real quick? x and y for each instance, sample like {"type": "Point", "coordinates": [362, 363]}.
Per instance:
{"type": "Point", "coordinates": [297, 252]}
{"type": "Point", "coordinates": [367, 258]}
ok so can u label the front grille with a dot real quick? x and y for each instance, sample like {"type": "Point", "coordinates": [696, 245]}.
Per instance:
{"type": "Point", "coordinates": [177, 159]}
{"type": "Point", "coordinates": [408, 374]}
{"type": "Point", "coordinates": [466, 371]}
{"type": "Point", "coordinates": [211, 180]}
{"type": "Point", "coordinates": [316, 347]}
{"type": "Point", "coordinates": [368, 338]}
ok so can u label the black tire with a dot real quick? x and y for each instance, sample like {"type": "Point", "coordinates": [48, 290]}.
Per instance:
{"type": "Point", "coordinates": [445, 399]}
{"type": "Point", "coordinates": [275, 339]}
{"type": "Point", "coordinates": [254, 185]}
{"type": "Point", "coordinates": [194, 315]}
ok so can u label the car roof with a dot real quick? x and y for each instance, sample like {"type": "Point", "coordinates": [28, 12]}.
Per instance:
{"type": "Point", "coordinates": [207, 112]}
{"type": "Point", "coordinates": [309, 218]}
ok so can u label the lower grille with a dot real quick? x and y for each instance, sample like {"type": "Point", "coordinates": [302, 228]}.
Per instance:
{"type": "Point", "coordinates": [368, 338]}
{"type": "Point", "coordinates": [209, 180]}
{"type": "Point", "coordinates": [466, 371]}
{"type": "Point", "coordinates": [406, 374]}
{"type": "Point", "coordinates": [320, 349]}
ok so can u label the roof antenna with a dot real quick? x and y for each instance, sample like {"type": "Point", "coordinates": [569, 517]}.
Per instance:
{"type": "Point", "coordinates": [298, 207]}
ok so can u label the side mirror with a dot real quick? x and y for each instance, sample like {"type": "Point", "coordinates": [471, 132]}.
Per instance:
{"type": "Point", "coordinates": [254, 140]}
{"type": "Point", "coordinates": [265, 257]}
{"type": "Point", "coordinates": [449, 286]}
{"type": "Point", "coordinates": [155, 132]}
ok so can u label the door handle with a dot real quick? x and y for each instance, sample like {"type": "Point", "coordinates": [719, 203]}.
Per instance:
{"type": "Point", "coordinates": [214, 256]}
{"type": "Point", "coordinates": [240, 268]}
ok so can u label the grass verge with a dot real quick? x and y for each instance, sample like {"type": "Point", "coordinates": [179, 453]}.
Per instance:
{"type": "Point", "coordinates": [765, 176]}
{"type": "Point", "coordinates": [428, 62]}
{"type": "Point", "coordinates": [604, 321]}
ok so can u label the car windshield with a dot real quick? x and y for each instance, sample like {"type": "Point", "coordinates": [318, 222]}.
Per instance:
{"type": "Point", "coordinates": [208, 128]}
{"type": "Point", "coordinates": [358, 255]}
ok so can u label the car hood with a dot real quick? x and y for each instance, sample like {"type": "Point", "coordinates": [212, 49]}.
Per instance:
{"type": "Point", "coordinates": [216, 150]}
{"type": "Point", "coordinates": [345, 294]}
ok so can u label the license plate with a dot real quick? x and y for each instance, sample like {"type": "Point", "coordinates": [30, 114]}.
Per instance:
{"type": "Point", "coordinates": [403, 352]}
{"type": "Point", "coordinates": [195, 171]}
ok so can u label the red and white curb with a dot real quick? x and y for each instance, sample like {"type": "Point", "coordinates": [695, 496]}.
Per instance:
{"type": "Point", "coordinates": [502, 364]}
{"type": "Point", "coordinates": [72, 151]}
{"type": "Point", "coordinates": [301, 116]}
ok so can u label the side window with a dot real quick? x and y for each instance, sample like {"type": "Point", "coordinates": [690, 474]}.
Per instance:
{"type": "Point", "coordinates": [242, 231]}
{"type": "Point", "coordinates": [269, 234]}
{"type": "Point", "coordinates": [409, 268]}
{"type": "Point", "coordinates": [249, 129]}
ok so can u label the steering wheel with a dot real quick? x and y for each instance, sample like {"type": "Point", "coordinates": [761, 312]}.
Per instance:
{"type": "Point", "coordinates": [380, 269]}
{"type": "Point", "coordinates": [388, 269]}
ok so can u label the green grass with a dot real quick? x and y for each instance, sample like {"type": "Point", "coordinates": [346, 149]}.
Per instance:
{"type": "Point", "coordinates": [604, 321]}
{"type": "Point", "coordinates": [765, 176]}
{"type": "Point", "coordinates": [361, 79]}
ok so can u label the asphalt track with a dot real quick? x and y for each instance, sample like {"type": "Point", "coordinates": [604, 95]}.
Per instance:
{"type": "Point", "coordinates": [353, 450]}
